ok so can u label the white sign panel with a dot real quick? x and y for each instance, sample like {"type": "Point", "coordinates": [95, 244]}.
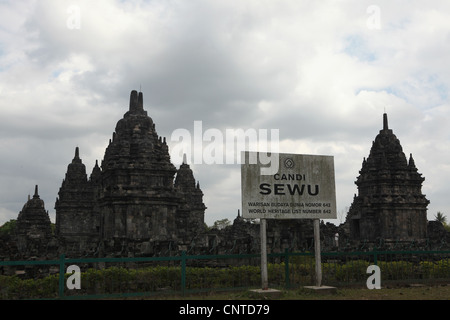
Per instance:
{"type": "Point", "coordinates": [302, 188]}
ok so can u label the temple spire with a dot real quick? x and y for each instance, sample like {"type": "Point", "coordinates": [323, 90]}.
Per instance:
{"type": "Point", "coordinates": [141, 101]}
{"type": "Point", "coordinates": [411, 162]}
{"type": "Point", "coordinates": [136, 101]}
{"type": "Point", "coordinates": [385, 122]}
{"type": "Point", "coordinates": [133, 100]}
{"type": "Point", "coordinates": [77, 159]}
{"type": "Point", "coordinates": [36, 192]}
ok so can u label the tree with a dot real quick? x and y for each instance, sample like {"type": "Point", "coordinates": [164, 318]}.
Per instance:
{"type": "Point", "coordinates": [8, 228]}
{"type": "Point", "coordinates": [221, 224]}
{"type": "Point", "coordinates": [441, 218]}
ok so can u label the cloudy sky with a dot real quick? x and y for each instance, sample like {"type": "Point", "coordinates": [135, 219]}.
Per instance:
{"type": "Point", "coordinates": [321, 72]}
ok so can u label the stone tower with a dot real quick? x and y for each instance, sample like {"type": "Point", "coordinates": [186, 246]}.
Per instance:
{"type": "Point", "coordinates": [33, 229]}
{"type": "Point", "coordinates": [139, 201]}
{"type": "Point", "coordinates": [77, 224]}
{"type": "Point", "coordinates": [132, 203]}
{"type": "Point", "coordinates": [191, 213]}
{"type": "Point", "coordinates": [390, 204]}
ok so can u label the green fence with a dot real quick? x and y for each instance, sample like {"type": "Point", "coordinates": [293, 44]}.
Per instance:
{"type": "Point", "coordinates": [128, 277]}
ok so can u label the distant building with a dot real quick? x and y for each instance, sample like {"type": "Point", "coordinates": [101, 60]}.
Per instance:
{"type": "Point", "coordinates": [390, 204]}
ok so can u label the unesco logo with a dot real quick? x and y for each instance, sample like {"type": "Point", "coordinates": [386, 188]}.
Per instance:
{"type": "Point", "coordinates": [289, 163]}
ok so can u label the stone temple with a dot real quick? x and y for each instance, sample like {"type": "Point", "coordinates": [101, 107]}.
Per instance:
{"type": "Point", "coordinates": [137, 203]}
{"type": "Point", "coordinates": [390, 204]}
{"type": "Point", "coordinates": [133, 201]}
{"type": "Point", "coordinates": [33, 226]}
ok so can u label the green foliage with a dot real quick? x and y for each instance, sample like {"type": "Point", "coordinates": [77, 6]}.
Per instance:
{"type": "Point", "coordinates": [221, 224]}
{"type": "Point", "coordinates": [8, 228]}
{"type": "Point", "coordinates": [351, 271]}
{"type": "Point", "coordinates": [435, 269]}
{"type": "Point", "coordinates": [397, 270]}
{"type": "Point", "coordinates": [204, 278]}
{"type": "Point", "coordinates": [120, 280]}
{"type": "Point", "coordinates": [440, 217]}
{"type": "Point", "coordinates": [11, 287]}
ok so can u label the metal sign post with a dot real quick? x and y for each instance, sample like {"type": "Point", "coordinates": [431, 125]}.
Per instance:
{"type": "Point", "coordinates": [298, 186]}
{"type": "Point", "coordinates": [317, 252]}
{"type": "Point", "coordinates": [264, 276]}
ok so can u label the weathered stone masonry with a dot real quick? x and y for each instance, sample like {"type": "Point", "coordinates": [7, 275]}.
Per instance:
{"type": "Point", "coordinates": [390, 204]}
{"type": "Point", "coordinates": [133, 201]}
{"type": "Point", "coordinates": [136, 203]}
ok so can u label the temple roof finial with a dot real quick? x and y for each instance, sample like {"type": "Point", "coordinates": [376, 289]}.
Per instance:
{"type": "Point", "coordinates": [136, 101]}
{"type": "Point", "coordinates": [385, 122]}
{"type": "Point", "coordinates": [36, 192]}
{"type": "Point", "coordinates": [140, 101]}
{"type": "Point", "coordinates": [411, 162]}
{"type": "Point", "coordinates": [133, 100]}
{"type": "Point", "coordinates": [77, 159]}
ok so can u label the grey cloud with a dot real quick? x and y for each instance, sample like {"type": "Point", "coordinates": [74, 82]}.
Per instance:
{"type": "Point", "coordinates": [228, 64]}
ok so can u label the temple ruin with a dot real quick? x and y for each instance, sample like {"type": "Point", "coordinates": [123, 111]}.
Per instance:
{"type": "Point", "coordinates": [390, 204]}
{"type": "Point", "coordinates": [137, 203]}
{"type": "Point", "coordinates": [133, 201]}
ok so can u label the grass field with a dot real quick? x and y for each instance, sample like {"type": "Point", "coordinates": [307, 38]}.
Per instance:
{"type": "Point", "coordinates": [439, 292]}
{"type": "Point", "coordinates": [405, 293]}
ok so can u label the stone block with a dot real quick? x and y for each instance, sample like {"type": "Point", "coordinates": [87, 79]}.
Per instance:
{"type": "Point", "coordinates": [322, 289]}
{"type": "Point", "coordinates": [265, 293]}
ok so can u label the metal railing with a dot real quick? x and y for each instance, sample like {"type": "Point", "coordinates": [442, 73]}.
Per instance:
{"type": "Point", "coordinates": [131, 277]}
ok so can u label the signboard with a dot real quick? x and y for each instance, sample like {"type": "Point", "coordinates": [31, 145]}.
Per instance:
{"type": "Point", "coordinates": [302, 188]}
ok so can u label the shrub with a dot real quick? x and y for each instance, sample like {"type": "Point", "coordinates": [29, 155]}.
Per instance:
{"type": "Point", "coordinates": [435, 269]}
{"type": "Point", "coordinates": [155, 278]}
